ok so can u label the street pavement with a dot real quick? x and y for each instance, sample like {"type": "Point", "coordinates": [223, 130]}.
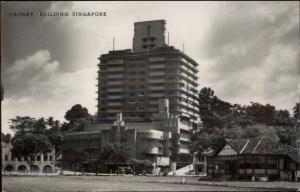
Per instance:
{"type": "Point", "coordinates": [112, 183]}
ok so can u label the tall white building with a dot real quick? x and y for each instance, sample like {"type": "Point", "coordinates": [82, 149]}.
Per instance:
{"type": "Point", "coordinates": [132, 81]}
{"type": "Point", "coordinates": [154, 86]}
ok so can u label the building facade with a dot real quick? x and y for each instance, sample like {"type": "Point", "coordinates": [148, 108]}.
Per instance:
{"type": "Point", "coordinates": [253, 159]}
{"type": "Point", "coordinates": [131, 82]}
{"type": "Point", "coordinates": [167, 136]}
{"type": "Point", "coordinates": [44, 163]}
{"type": "Point", "coordinates": [153, 88]}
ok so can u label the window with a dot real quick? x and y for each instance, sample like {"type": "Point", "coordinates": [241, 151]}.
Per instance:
{"type": "Point", "coordinates": [132, 94]}
{"type": "Point", "coordinates": [45, 157]}
{"type": "Point", "coordinates": [6, 158]}
{"type": "Point", "coordinates": [38, 158]}
{"type": "Point", "coordinates": [148, 30]}
{"type": "Point", "coordinates": [50, 158]}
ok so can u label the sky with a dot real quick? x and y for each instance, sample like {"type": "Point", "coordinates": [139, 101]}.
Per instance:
{"type": "Point", "coordinates": [247, 51]}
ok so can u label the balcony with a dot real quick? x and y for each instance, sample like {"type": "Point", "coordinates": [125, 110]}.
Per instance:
{"type": "Point", "coordinates": [153, 59]}
{"type": "Point", "coordinates": [114, 97]}
{"type": "Point", "coordinates": [115, 61]}
{"type": "Point", "coordinates": [161, 66]}
{"type": "Point", "coordinates": [157, 73]}
{"type": "Point", "coordinates": [116, 76]}
{"type": "Point", "coordinates": [156, 95]}
{"type": "Point", "coordinates": [184, 150]}
{"type": "Point", "coordinates": [115, 69]}
{"type": "Point", "coordinates": [113, 110]}
{"type": "Point", "coordinates": [185, 137]}
{"type": "Point", "coordinates": [188, 72]}
{"type": "Point", "coordinates": [156, 81]}
{"type": "Point", "coordinates": [187, 63]}
{"type": "Point", "coordinates": [115, 90]}
{"type": "Point", "coordinates": [115, 83]}
{"type": "Point", "coordinates": [114, 104]}
{"type": "Point", "coordinates": [157, 88]}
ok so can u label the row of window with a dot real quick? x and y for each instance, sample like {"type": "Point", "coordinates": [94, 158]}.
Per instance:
{"type": "Point", "coordinates": [140, 86]}
{"type": "Point", "coordinates": [38, 158]}
{"type": "Point", "coordinates": [153, 58]}
{"type": "Point", "coordinates": [151, 140]}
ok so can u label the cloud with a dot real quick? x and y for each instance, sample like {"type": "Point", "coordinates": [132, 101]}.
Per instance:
{"type": "Point", "coordinates": [25, 74]}
{"type": "Point", "coordinates": [253, 50]}
{"type": "Point", "coordinates": [247, 51]}
{"type": "Point", "coordinates": [33, 68]}
{"type": "Point", "coordinates": [21, 36]}
{"type": "Point", "coordinates": [35, 87]}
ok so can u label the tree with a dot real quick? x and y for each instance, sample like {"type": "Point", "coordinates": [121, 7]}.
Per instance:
{"type": "Point", "coordinates": [6, 137]}
{"type": "Point", "coordinates": [65, 127]}
{"type": "Point", "coordinates": [49, 128]}
{"type": "Point", "coordinates": [261, 113]}
{"type": "Point", "coordinates": [54, 134]}
{"type": "Point", "coordinates": [296, 110]}
{"type": "Point", "coordinates": [140, 166]}
{"type": "Point", "coordinates": [30, 146]}
{"type": "Point", "coordinates": [75, 113]}
{"type": "Point", "coordinates": [77, 157]}
{"type": "Point", "coordinates": [213, 111]}
{"type": "Point", "coordinates": [22, 125]}
{"type": "Point", "coordinates": [206, 96]}
{"type": "Point", "coordinates": [224, 120]}
{"type": "Point", "coordinates": [282, 118]}
{"type": "Point", "coordinates": [204, 140]}
{"type": "Point", "coordinates": [115, 154]}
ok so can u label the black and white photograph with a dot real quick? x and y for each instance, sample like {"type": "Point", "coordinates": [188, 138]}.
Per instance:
{"type": "Point", "coordinates": [150, 96]}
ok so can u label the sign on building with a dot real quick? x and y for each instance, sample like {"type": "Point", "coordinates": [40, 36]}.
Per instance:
{"type": "Point", "coordinates": [163, 161]}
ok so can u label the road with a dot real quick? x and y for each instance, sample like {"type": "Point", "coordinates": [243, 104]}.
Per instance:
{"type": "Point", "coordinates": [107, 183]}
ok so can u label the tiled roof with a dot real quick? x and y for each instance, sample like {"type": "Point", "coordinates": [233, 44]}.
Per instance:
{"type": "Point", "coordinates": [237, 144]}
{"type": "Point", "coordinates": [253, 142]}
{"type": "Point", "coordinates": [261, 145]}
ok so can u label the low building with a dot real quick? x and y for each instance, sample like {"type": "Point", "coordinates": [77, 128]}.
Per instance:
{"type": "Point", "coordinates": [254, 158]}
{"type": "Point", "coordinates": [165, 136]}
{"type": "Point", "coordinates": [44, 163]}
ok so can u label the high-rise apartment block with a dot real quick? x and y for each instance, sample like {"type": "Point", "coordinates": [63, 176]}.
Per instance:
{"type": "Point", "coordinates": [147, 98]}
{"type": "Point", "coordinates": [132, 81]}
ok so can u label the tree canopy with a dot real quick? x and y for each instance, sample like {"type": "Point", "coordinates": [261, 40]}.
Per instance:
{"type": "Point", "coordinates": [6, 138]}
{"type": "Point", "coordinates": [30, 145]}
{"type": "Point", "coordinates": [115, 153]}
{"type": "Point", "coordinates": [75, 113]}
{"type": "Point", "coordinates": [222, 120]}
{"type": "Point", "coordinates": [42, 132]}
